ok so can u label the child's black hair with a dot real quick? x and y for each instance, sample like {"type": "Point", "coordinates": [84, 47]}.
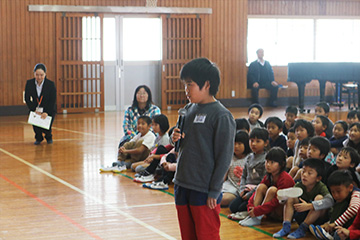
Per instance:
{"type": "Point", "coordinates": [292, 130]}
{"type": "Point", "coordinates": [324, 105]}
{"type": "Point", "coordinates": [147, 119]}
{"type": "Point", "coordinates": [277, 154]}
{"type": "Point", "coordinates": [353, 113]}
{"type": "Point", "coordinates": [243, 137]}
{"type": "Point", "coordinates": [318, 165]}
{"type": "Point", "coordinates": [277, 121]}
{"type": "Point", "coordinates": [354, 155]}
{"type": "Point", "coordinates": [163, 121]}
{"type": "Point", "coordinates": [305, 124]}
{"type": "Point", "coordinates": [324, 120]}
{"type": "Point", "coordinates": [242, 123]}
{"type": "Point", "coordinates": [258, 106]}
{"type": "Point", "coordinates": [357, 124]}
{"type": "Point", "coordinates": [200, 70]}
{"type": "Point", "coordinates": [340, 177]}
{"type": "Point", "coordinates": [322, 143]}
{"type": "Point", "coordinates": [259, 133]}
{"type": "Point", "coordinates": [304, 142]}
{"type": "Point", "coordinates": [343, 124]}
{"type": "Point", "coordinates": [292, 109]}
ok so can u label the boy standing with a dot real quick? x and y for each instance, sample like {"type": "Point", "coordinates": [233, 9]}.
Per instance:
{"type": "Point", "coordinates": [311, 206]}
{"type": "Point", "coordinates": [205, 153]}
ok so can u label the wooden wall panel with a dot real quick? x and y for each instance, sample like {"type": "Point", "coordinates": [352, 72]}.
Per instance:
{"type": "Point", "coordinates": [29, 38]}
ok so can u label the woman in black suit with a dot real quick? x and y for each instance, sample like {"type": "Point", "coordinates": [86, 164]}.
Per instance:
{"type": "Point", "coordinates": [40, 97]}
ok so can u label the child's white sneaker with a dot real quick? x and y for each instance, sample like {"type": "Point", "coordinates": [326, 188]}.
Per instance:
{"type": "Point", "coordinates": [284, 194]}
{"type": "Point", "coordinates": [240, 215]}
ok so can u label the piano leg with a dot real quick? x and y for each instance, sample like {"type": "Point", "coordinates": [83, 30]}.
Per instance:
{"type": "Point", "coordinates": [301, 91]}
{"type": "Point", "coordinates": [322, 85]}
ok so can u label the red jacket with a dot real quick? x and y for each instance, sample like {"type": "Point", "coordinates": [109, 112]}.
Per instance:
{"type": "Point", "coordinates": [355, 228]}
{"type": "Point", "coordinates": [284, 181]}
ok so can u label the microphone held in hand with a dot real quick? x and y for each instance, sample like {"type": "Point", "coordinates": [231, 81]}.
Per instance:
{"type": "Point", "coordinates": [180, 125]}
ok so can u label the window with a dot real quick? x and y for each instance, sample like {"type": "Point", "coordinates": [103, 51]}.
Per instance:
{"type": "Point", "coordinates": [304, 40]}
{"type": "Point", "coordinates": [142, 39]}
{"type": "Point", "coordinates": [109, 38]}
{"type": "Point", "coordinates": [91, 38]}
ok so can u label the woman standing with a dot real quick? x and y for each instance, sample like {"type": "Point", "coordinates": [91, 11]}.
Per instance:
{"type": "Point", "coordinates": [142, 105]}
{"type": "Point", "coordinates": [40, 97]}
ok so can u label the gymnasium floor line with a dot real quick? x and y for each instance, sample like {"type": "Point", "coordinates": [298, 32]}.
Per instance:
{"type": "Point", "coordinates": [52, 208]}
{"type": "Point", "coordinates": [115, 209]}
{"type": "Point", "coordinates": [221, 214]}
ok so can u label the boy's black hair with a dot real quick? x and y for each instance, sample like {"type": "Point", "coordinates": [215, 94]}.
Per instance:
{"type": "Point", "coordinates": [304, 142]}
{"type": "Point", "coordinates": [343, 124]}
{"type": "Point", "coordinates": [292, 109]}
{"type": "Point", "coordinates": [258, 106]}
{"type": "Point", "coordinates": [277, 121]}
{"type": "Point", "coordinates": [277, 154]}
{"type": "Point", "coordinates": [259, 133]}
{"type": "Point", "coordinates": [163, 121]}
{"type": "Point", "coordinates": [243, 137]}
{"type": "Point", "coordinates": [340, 177]}
{"type": "Point", "coordinates": [354, 155]}
{"type": "Point", "coordinates": [292, 129]}
{"type": "Point", "coordinates": [316, 164]}
{"type": "Point", "coordinates": [322, 143]}
{"type": "Point", "coordinates": [135, 103]}
{"type": "Point", "coordinates": [200, 70]}
{"type": "Point", "coordinates": [325, 121]}
{"type": "Point", "coordinates": [353, 113]}
{"type": "Point", "coordinates": [324, 105]}
{"type": "Point", "coordinates": [305, 124]}
{"type": "Point", "coordinates": [147, 119]}
{"type": "Point", "coordinates": [357, 124]}
{"type": "Point", "coordinates": [242, 123]}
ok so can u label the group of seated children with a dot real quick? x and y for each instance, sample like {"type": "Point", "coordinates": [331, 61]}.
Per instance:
{"type": "Point", "coordinates": [296, 169]}
{"type": "Point", "coordinates": [146, 154]}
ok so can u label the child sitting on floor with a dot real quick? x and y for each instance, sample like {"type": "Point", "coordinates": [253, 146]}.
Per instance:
{"type": "Point", "coordinates": [347, 203]}
{"type": "Point", "coordinates": [323, 109]}
{"type": "Point", "coordinates": [321, 124]}
{"type": "Point", "coordinates": [274, 127]}
{"type": "Point", "coordinates": [352, 233]}
{"type": "Point", "coordinates": [290, 143]}
{"type": "Point", "coordinates": [160, 126]}
{"type": "Point", "coordinates": [253, 172]}
{"type": "Point", "coordinates": [290, 114]}
{"type": "Point", "coordinates": [231, 188]}
{"type": "Point", "coordinates": [339, 136]}
{"type": "Point", "coordinates": [352, 117]}
{"type": "Point", "coordinates": [255, 112]}
{"type": "Point", "coordinates": [242, 124]}
{"type": "Point", "coordinates": [137, 149]}
{"type": "Point", "coordinates": [303, 149]}
{"type": "Point", "coordinates": [311, 207]}
{"type": "Point", "coordinates": [264, 201]}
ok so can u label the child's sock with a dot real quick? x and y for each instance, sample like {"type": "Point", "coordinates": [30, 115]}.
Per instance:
{"type": "Point", "coordinates": [252, 221]}
{"type": "Point", "coordinates": [300, 232]}
{"type": "Point", "coordinates": [284, 231]}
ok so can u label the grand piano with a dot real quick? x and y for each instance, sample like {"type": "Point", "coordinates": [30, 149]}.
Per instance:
{"type": "Point", "coordinates": [337, 72]}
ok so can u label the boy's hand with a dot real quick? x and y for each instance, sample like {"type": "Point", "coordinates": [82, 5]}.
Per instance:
{"type": "Point", "coordinates": [166, 166]}
{"type": "Point", "coordinates": [303, 206]}
{"type": "Point", "coordinates": [342, 232]}
{"type": "Point", "coordinates": [251, 212]}
{"type": "Point", "coordinates": [149, 159]}
{"type": "Point", "coordinates": [176, 135]}
{"type": "Point", "coordinates": [211, 203]}
{"type": "Point", "coordinates": [329, 227]}
{"type": "Point", "coordinates": [122, 150]}
{"type": "Point", "coordinates": [244, 197]}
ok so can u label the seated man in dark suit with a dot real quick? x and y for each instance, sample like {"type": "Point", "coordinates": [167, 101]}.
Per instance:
{"type": "Point", "coordinates": [261, 75]}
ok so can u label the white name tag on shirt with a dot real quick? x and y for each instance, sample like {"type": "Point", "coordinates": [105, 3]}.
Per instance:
{"type": "Point", "coordinates": [39, 109]}
{"type": "Point", "coordinates": [200, 118]}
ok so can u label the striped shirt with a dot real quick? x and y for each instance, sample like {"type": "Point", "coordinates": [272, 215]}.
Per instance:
{"type": "Point", "coordinates": [351, 210]}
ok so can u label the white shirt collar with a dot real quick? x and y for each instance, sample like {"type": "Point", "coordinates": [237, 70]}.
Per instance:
{"type": "Point", "coordinates": [39, 88]}
{"type": "Point", "coordinates": [261, 62]}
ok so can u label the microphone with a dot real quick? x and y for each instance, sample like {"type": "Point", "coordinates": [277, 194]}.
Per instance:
{"type": "Point", "coordinates": [180, 125]}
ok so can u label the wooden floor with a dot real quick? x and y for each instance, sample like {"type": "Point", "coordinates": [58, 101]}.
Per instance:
{"type": "Point", "coordinates": [56, 191]}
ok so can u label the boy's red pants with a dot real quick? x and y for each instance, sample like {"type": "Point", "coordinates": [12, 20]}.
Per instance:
{"type": "Point", "coordinates": [196, 219]}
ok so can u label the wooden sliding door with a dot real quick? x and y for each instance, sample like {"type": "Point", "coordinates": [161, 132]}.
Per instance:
{"type": "Point", "coordinates": [182, 36]}
{"type": "Point", "coordinates": [80, 68]}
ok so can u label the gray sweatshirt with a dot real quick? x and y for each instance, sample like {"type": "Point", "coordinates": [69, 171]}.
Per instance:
{"type": "Point", "coordinates": [206, 150]}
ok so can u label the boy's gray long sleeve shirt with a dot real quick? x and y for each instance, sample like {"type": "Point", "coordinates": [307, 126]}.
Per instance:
{"type": "Point", "coordinates": [206, 150]}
